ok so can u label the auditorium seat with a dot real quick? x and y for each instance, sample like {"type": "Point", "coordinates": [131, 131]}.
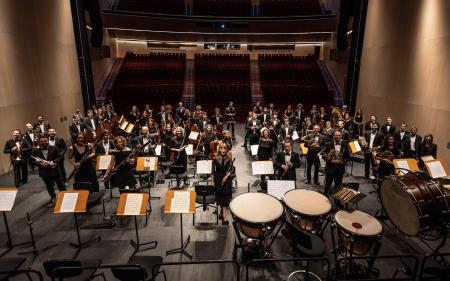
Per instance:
{"type": "Point", "coordinates": [227, 8]}
{"type": "Point", "coordinates": [173, 7]}
{"type": "Point", "coordinates": [277, 8]}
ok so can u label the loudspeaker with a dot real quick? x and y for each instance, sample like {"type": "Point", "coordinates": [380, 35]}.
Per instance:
{"type": "Point", "coordinates": [93, 8]}
{"type": "Point", "coordinates": [346, 12]}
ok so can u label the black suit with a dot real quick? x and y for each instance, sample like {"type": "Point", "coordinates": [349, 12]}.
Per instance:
{"type": "Point", "coordinates": [61, 145]}
{"type": "Point", "coordinates": [299, 118]}
{"type": "Point", "coordinates": [37, 128]}
{"type": "Point", "coordinates": [377, 143]}
{"type": "Point", "coordinates": [28, 137]}
{"type": "Point", "coordinates": [214, 120]}
{"type": "Point", "coordinates": [20, 167]}
{"type": "Point", "coordinates": [399, 140]}
{"type": "Point", "coordinates": [48, 174]}
{"type": "Point", "coordinates": [140, 141]}
{"type": "Point", "coordinates": [282, 131]}
{"type": "Point", "coordinates": [253, 134]}
{"type": "Point", "coordinates": [88, 124]}
{"type": "Point", "coordinates": [333, 171]}
{"type": "Point", "coordinates": [385, 131]}
{"type": "Point", "coordinates": [311, 156]}
{"type": "Point", "coordinates": [73, 129]}
{"type": "Point", "coordinates": [280, 160]}
{"type": "Point", "coordinates": [100, 148]}
{"type": "Point", "coordinates": [261, 118]}
{"type": "Point", "coordinates": [406, 147]}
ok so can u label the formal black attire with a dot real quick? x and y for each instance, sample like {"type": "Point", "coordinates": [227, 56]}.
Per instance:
{"type": "Point", "coordinates": [216, 120]}
{"type": "Point", "coordinates": [220, 167]}
{"type": "Point", "coordinates": [335, 172]}
{"type": "Point", "coordinates": [148, 150]}
{"type": "Point", "coordinates": [179, 113]}
{"type": "Point", "coordinates": [312, 158]}
{"type": "Point", "coordinates": [61, 145]}
{"type": "Point", "coordinates": [399, 139]}
{"type": "Point", "coordinates": [86, 172]}
{"type": "Point", "coordinates": [230, 113]}
{"type": "Point", "coordinates": [328, 134]}
{"type": "Point", "coordinates": [40, 128]}
{"type": "Point", "coordinates": [253, 134]}
{"type": "Point", "coordinates": [427, 150]}
{"type": "Point", "coordinates": [91, 124]}
{"type": "Point", "coordinates": [387, 129]}
{"type": "Point", "coordinates": [281, 159]}
{"type": "Point", "coordinates": [378, 139]}
{"type": "Point", "coordinates": [180, 159]}
{"type": "Point", "coordinates": [49, 175]}
{"type": "Point", "coordinates": [385, 169]}
{"type": "Point", "coordinates": [368, 126]}
{"type": "Point", "coordinates": [264, 118]}
{"type": "Point", "coordinates": [299, 118]}
{"type": "Point", "coordinates": [20, 168]}
{"type": "Point", "coordinates": [411, 146]}
{"type": "Point", "coordinates": [124, 175]}
{"type": "Point", "coordinates": [286, 131]}
{"type": "Point", "coordinates": [74, 130]}
{"type": "Point", "coordinates": [207, 139]}
{"type": "Point", "coordinates": [265, 149]}
{"type": "Point", "coordinates": [102, 148]}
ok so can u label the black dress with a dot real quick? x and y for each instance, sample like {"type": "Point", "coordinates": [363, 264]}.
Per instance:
{"type": "Point", "coordinates": [220, 167]}
{"type": "Point", "coordinates": [180, 159]}
{"type": "Point", "coordinates": [86, 173]}
{"type": "Point", "coordinates": [265, 149]}
{"type": "Point", "coordinates": [385, 169]}
{"type": "Point", "coordinates": [124, 176]}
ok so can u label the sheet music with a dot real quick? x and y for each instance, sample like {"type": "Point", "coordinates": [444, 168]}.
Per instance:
{"type": "Point", "coordinates": [254, 149]}
{"type": "Point", "coordinates": [357, 146]}
{"type": "Point", "coordinates": [295, 136]}
{"type": "Point", "coordinates": [190, 149]}
{"type": "Point", "coordinates": [7, 198]}
{"type": "Point", "coordinates": [158, 150]}
{"type": "Point", "coordinates": [193, 135]}
{"type": "Point", "coordinates": [262, 168]}
{"type": "Point", "coordinates": [133, 204]}
{"type": "Point", "coordinates": [180, 202]}
{"type": "Point", "coordinates": [204, 167]}
{"type": "Point", "coordinates": [436, 169]}
{"type": "Point", "coordinates": [402, 164]}
{"type": "Point", "coordinates": [150, 163]}
{"type": "Point", "coordinates": [124, 125]}
{"type": "Point", "coordinates": [427, 158]}
{"type": "Point", "coordinates": [278, 188]}
{"type": "Point", "coordinates": [69, 202]}
{"type": "Point", "coordinates": [104, 161]}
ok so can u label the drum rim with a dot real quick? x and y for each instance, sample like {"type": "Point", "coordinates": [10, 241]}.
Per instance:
{"type": "Point", "coordinates": [257, 222]}
{"type": "Point", "coordinates": [299, 212]}
{"type": "Point", "coordinates": [355, 233]}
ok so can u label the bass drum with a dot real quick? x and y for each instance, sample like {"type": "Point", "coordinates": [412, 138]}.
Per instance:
{"type": "Point", "coordinates": [414, 205]}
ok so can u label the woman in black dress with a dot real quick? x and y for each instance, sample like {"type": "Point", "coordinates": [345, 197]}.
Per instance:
{"type": "Point", "coordinates": [86, 170]}
{"type": "Point", "coordinates": [427, 148]}
{"type": "Point", "coordinates": [222, 174]}
{"type": "Point", "coordinates": [209, 136]}
{"type": "Point", "coordinates": [266, 146]}
{"type": "Point", "coordinates": [177, 146]}
{"type": "Point", "coordinates": [123, 177]}
{"type": "Point", "coordinates": [359, 121]}
{"type": "Point", "coordinates": [387, 154]}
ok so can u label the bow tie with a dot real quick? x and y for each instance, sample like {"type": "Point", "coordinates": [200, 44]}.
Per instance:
{"type": "Point", "coordinates": [52, 139]}
{"type": "Point", "coordinates": [105, 142]}
{"type": "Point", "coordinates": [337, 143]}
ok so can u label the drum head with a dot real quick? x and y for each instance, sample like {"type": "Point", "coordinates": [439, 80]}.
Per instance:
{"type": "Point", "coordinates": [358, 223]}
{"type": "Point", "coordinates": [307, 202]}
{"type": "Point", "coordinates": [399, 206]}
{"type": "Point", "coordinates": [256, 207]}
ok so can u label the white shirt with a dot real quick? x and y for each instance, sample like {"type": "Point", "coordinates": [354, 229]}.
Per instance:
{"type": "Point", "coordinates": [217, 119]}
{"type": "Point", "coordinates": [51, 142]}
{"type": "Point", "coordinates": [93, 123]}
{"type": "Point", "coordinates": [31, 136]}
{"type": "Point", "coordinates": [413, 142]}
{"type": "Point", "coordinates": [287, 157]}
{"type": "Point", "coordinates": [274, 121]}
{"type": "Point", "coordinates": [144, 141]}
{"type": "Point", "coordinates": [18, 144]}
{"type": "Point", "coordinates": [372, 138]}
{"type": "Point", "coordinates": [401, 135]}
{"type": "Point", "coordinates": [337, 147]}
{"type": "Point", "coordinates": [45, 153]}
{"type": "Point", "coordinates": [78, 127]}
{"type": "Point", "coordinates": [42, 127]}
{"type": "Point", "coordinates": [388, 127]}
{"type": "Point", "coordinates": [106, 147]}
{"type": "Point", "coordinates": [287, 130]}
{"type": "Point", "coordinates": [264, 118]}
{"type": "Point", "coordinates": [254, 123]}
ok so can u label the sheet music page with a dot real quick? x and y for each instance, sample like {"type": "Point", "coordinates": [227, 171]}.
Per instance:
{"type": "Point", "coordinates": [158, 150]}
{"type": "Point", "coordinates": [254, 149]}
{"type": "Point", "coordinates": [69, 202]}
{"type": "Point", "coordinates": [295, 136]}
{"type": "Point", "coordinates": [104, 161]}
{"type": "Point", "coordinates": [181, 202]}
{"type": "Point", "coordinates": [262, 168]}
{"type": "Point", "coordinates": [402, 164]}
{"type": "Point", "coordinates": [357, 146]}
{"type": "Point", "coordinates": [436, 169]}
{"type": "Point", "coordinates": [278, 188]}
{"type": "Point", "coordinates": [190, 149]}
{"type": "Point", "coordinates": [7, 198]}
{"type": "Point", "coordinates": [204, 167]}
{"type": "Point", "coordinates": [124, 125]}
{"type": "Point", "coordinates": [193, 135]}
{"type": "Point", "coordinates": [133, 204]}
{"type": "Point", "coordinates": [150, 163]}
{"type": "Point", "coordinates": [427, 158]}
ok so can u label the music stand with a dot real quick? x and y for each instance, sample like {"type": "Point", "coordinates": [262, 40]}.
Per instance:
{"type": "Point", "coordinates": [148, 164]}
{"type": "Point", "coordinates": [170, 208]}
{"type": "Point", "coordinates": [135, 204]}
{"type": "Point", "coordinates": [67, 202]}
{"type": "Point", "coordinates": [262, 168]}
{"type": "Point", "coordinates": [177, 171]}
{"type": "Point", "coordinates": [35, 251]}
{"type": "Point", "coordinates": [7, 198]}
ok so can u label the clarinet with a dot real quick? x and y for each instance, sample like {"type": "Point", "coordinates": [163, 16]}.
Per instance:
{"type": "Point", "coordinates": [228, 172]}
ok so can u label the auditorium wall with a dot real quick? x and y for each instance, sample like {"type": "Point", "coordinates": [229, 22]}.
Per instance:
{"type": "Point", "coordinates": [405, 67]}
{"type": "Point", "coordinates": [38, 66]}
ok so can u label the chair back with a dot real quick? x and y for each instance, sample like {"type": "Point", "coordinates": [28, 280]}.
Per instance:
{"type": "Point", "coordinates": [129, 273]}
{"type": "Point", "coordinates": [51, 265]}
{"type": "Point", "coordinates": [205, 194]}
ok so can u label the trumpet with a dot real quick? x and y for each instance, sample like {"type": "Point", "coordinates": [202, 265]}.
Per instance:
{"type": "Point", "coordinates": [45, 162]}
{"type": "Point", "coordinates": [16, 154]}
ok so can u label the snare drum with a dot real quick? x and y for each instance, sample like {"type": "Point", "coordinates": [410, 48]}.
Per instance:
{"type": "Point", "coordinates": [307, 208]}
{"type": "Point", "coordinates": [256, 214]}
{"type": "Point", "coordinates": [357, 232]}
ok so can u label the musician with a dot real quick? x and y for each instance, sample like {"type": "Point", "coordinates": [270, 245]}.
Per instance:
{"type": "Point", "coordinates": [400, 136]}
{"type": "Point", "coordinates": [202, 121]}
{"type": "Point", "coordinates": [198, 113]}
{"type": "Point", "coordinates": [227, 139]}
{"type": "Point", "coordinates": [374, 141]}
{"type": "Point", "coordinates": [349, 125]}
{"type": "Point", "coordinates": [266, 146]}
{"type": "Point", "coordinates": [253, 125]}
{"type": "Point", "coordinates": [299, 117]}
{"type": "Point", "coordinates": [109, 112]}
{"type": "Point", "coordinates": [217, 119]}
{"type": "Point", "coordinates": [257, 109]}
{"type": "Point", "coordinates": [387, 154]}
{"type": "Point", "coordinates": [91, 122]}
{"type": "Point", "coordinates": [314, 141]}
{"type": "Point", "coordinates": [179, 112]}
{"type": "Point", "coordinates": [340, 126]}
{"type": "Point", "coordinates": [264, 117]}
{"type": "Point", "coordinates": [359, 121]}
{"type": "Point", "coordinates": [368, 124]}
{"type": "Point", "coordinates": [328, 132]}
{"type": "Point", "coordinates": [289, 113]}
{"type": "Point", "coordinates": [314, 114]}
{"type": "Point", "coordinates": [344, 110]}
{"type": "Point", "coordinates": [81, 156]}
{"type": "Point", "coordinates": [49, 155]}
{"type": "Point", "coordinates": [307, 126]}
{"type": "Point", "coordinates": [40, 126]}
{"type": "Point", "coordinates": [286, 130]}
{"type": "Point", "coordinates": [30, 135]}
{"type": "Point", "coordinates": [121, 165]}
{"type": "Point", "coordinates": [161, 117]}
{"type": "Point", "coordinates": [19, 150]}
{"type": "Point", "coordinates": [145, 138]}
{"type": "Point", "coordinates": [411, 144]}
{"type": "Point", "coordinates": [271, 109]}
{"type": "Point", "coordinates": [75, 128]}
{"type": "Point", "coordinates": [61, 145]}
{"type": "Point", "coordinates": [286, 162]}
{"type": "Point", "coordinates": [247, 130]}
{"type": "Point", "coordinates": [336, 155]}
{"type": "Point", "coordinates": [275, 122]}
{"type": "Point", "coordinates": [222, 174]}
{"type": "Point", "coordinates": [177, 149]}
{"type": "Point", "coordinates": [153, 129]}
{"type": "Point", "coordinates": [105, 146]}
{"type": "Point", "coordinates": [208, 136]}
{"type": "Point", "coordinates": [230, 112]}
{"type": "Point", "coordinates": [101, 116]}
{"type": "Point", "coordinates": [134, 115]}
{"type": "Point", "coordinates": [166, 138]}
{"type": "Point", "coordinates": [427, 148]}
{"type": "Point", "coordinates": [145, 117]}
{"type": "Point", "coordinates": [323, 116]}
{"type": "Point", "coordinates": [388, 128]}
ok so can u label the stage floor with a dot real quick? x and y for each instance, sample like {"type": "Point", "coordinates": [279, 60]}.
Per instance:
{"type": "Point", "coordinates": [208, 240]}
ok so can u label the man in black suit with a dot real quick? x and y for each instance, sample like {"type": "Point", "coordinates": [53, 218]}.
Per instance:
{"type": "Point", "coordinates": [48, 170]}
{"type": "Point", "coordinates": [335, 166]}
{"type": "Point", "coordinates": [411, 144]}
{"type": "Point", "coordinates": [103, 147]}
{"type": "Point", "coordinates": [161, 116]}
{"type": "Point", "coordinates": [368, 125]}
{"type": "Point", "coordinates": [314, 141]}
{"type": "Point", "coordinates": [299, 117]}
{"type": "Point", "coordinates": [90, 122]}
{"type": "Point", "coordinates": [61, 145]}
{"type": "Point", "coordinates": [75, 128]}
{"type": "Point", "coordinates": [41, 126]}
{"type": "Point", "coordinates": [217, 118]}
{"type": "Point", "coordinates": [253, 125]}
{"type": "Point", "coordinates": [400, 137]}
{"type": "Point", "coordinates": [286, 130]}
{"type": "Point", "coordinates": [179, 112]}
{"type": "Point", "coordinates": [230, 113]}
{"type": "Point", "coordinates": [346, 136]}
{"type": "Point", "coordinates": [374, 141]}
{"type": "Point", "coordinates": [144, 138]}
{"type": "Point", "coordinates": [286, 162]}
{"type": "Point", "coordinates": [264, 118]}
{"type": "Point", "coordinates": [19, 150]}
{"type": "Point", "coordinates": [29, 134]}
{"type": "Point", "coordinates": [388, 128]}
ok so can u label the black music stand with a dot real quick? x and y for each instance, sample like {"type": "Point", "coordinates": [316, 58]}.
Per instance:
{"type": "Point", "coordinates": [9, 243]}
{"type": "Point", "coordinates": [177, 171]}
{"type": "Point", "coordinates": [35, 251]}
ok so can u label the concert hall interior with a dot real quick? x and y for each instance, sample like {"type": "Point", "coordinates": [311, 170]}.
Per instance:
{"type": "Point", "coordinates": [225, 140]}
